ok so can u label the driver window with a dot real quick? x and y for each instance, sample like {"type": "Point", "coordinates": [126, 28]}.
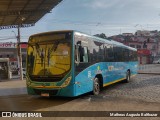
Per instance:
{"type": "Point", "coordinates": [85, 54]}
{"type": "Point", "coordinates": [81, 54]}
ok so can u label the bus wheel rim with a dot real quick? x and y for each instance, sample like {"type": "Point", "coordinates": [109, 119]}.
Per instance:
{"type": "Point", "coordinates": [96, 86]}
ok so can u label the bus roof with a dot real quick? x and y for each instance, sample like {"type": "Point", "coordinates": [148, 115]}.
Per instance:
{"type": "Point", "coordinates": [84, 34]}
{"type": "Point", "coordinates": [49, 32]}
{"type": "Point", "coordinates": [107, 41]}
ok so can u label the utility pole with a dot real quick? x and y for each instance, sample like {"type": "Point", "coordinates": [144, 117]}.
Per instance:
{"type": "Point", "coordinates": [22, 19]}
{"type": "Point", "coordinates": [19, 53]}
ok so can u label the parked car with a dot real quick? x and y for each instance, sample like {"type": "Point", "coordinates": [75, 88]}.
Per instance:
{"type": "Point", "coordinates": [156, 61]}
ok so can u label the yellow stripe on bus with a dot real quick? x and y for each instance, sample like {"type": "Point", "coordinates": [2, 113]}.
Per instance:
{"type": "Point", "coordinates": [47, 87]}
{"type": "Point", "coordinates": [113, 82]}
{"type": "Point", "coordinates": [116, 81]}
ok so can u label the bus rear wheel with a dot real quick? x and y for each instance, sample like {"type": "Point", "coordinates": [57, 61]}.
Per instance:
{"type": "Point", "coordinates": [96, 86]}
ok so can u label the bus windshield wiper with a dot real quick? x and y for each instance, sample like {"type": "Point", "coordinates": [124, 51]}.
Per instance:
{"type": "Point", "coordinates": [38, 49]}
{"type": "Point", "coordinates": [40, 53]}
{"type": "Point", "coordinates": [53, 49]}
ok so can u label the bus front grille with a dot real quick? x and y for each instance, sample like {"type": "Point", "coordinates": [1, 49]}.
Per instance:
{"type": "Point", "coordinates": [48, 79]}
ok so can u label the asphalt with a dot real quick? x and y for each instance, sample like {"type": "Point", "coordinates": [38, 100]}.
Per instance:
{"type": "Point", "coordinates": [15, 86]}
{"type": "Point", "coordinates": [12, 87]}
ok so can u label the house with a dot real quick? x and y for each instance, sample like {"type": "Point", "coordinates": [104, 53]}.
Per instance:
{"type": "Point", "coordinates": [146, 42]}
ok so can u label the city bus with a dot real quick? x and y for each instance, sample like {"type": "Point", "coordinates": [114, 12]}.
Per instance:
{"type": "Point", "coordinates": [70, 63]}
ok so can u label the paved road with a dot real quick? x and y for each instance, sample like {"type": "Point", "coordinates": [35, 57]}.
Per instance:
{"type": "Point", "coordinates": [142, 87]}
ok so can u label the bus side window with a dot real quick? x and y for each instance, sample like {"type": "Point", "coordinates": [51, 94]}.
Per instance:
{"type": "Point", "coordinates": [85, 57]}
{"type": "Point", "coordinates": [83, 54]}
{"type": "Point", "coordinates": [110, 54]}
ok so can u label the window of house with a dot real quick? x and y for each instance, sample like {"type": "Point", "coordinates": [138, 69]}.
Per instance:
{"type": "Point", "coordinates": [138, 46]}
{"type": "Point", "coordinates": [132, 46]}
{"type": "Point", "coordinates": [153, 47]}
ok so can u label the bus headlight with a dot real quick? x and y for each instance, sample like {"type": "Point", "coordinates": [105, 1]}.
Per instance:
{"type": "Point", "coordinates": [66, 82]}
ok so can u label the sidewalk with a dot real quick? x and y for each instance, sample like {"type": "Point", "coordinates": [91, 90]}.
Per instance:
{"type": "Point", "coordinates": [12, 87]}
{"type": "Point", "coordinates": [149, 69]}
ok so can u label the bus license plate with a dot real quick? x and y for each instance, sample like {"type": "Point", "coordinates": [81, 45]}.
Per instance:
{"type": "Point", "coordinates": [45, 94]}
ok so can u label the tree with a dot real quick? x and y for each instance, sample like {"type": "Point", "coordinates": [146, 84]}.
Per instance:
{"type": "Point", "coordinates": [102, 35]}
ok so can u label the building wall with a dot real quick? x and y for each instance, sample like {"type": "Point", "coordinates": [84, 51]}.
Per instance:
{"type": "Point", "coordinates": [9, 50]}
{"type": "Point", "coordinates": [149, 40]}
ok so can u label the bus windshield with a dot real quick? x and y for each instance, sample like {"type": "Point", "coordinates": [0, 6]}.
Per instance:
{"type": "Point", "coordinates": [49, 55]}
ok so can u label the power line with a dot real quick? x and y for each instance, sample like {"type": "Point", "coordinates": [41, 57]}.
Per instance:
{"type": "Point", "coordinates": [102, 24]}
{"type": "Point", "coordinates": [4, 37]}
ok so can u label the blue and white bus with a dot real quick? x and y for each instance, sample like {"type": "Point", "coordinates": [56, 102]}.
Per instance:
{"type": "Point", "coordinates": [71, 63]}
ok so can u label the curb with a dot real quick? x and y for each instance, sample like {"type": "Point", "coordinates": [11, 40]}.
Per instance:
{"type": "Point", "coordinates": [148, 73]}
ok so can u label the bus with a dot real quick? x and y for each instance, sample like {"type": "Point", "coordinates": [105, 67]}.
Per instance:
{"type": "Point", "coordinates": [70, 63]}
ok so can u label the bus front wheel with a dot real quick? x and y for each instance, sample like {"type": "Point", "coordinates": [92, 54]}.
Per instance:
{"type": "Point", "coordinates": [96, 86]}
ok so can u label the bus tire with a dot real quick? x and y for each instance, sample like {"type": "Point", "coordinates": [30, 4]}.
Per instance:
{"type": "Point", "coordinates": [96, 86]}
{"type": "Point", "coordinates": [128, 77]}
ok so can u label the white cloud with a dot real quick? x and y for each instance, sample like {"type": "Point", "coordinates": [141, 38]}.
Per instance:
{"type": "Point", "coordinates": [101, 4]}
{"type": "Point", "coordinates": [104, 4]}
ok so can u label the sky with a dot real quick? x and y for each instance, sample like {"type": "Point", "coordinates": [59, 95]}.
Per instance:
{"type": "Point", "coordinates": [111, 17]}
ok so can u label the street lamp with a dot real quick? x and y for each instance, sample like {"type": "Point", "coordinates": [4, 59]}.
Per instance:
{"type": "Point", "coordinates": [14, 34]}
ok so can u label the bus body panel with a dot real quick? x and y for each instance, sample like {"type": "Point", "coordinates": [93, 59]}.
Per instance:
{"type": "Point", "coordinates": [111, 72]}
{"type": "Point", "coordinates": [53, 88]}
{"type": "Point", "coordinates": [83, 74]}
{"type": "Point", "coordinates": [60, 88]}
{"type": "Point", "coordinates": [67, 91]}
